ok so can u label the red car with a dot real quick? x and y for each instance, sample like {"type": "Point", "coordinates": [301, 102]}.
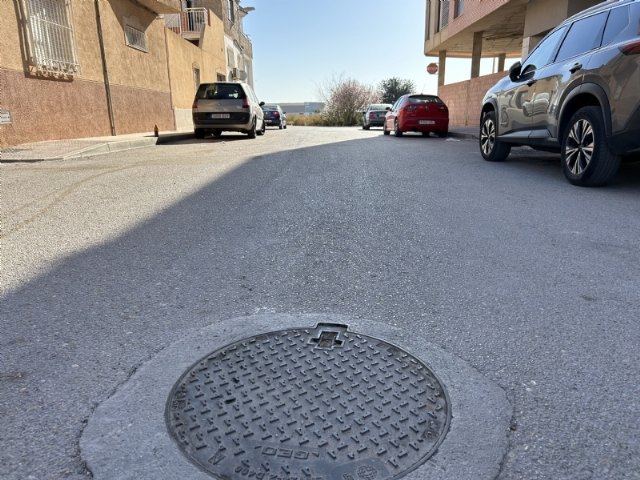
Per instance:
{"type": "Point", "coordinates": [417, 113]}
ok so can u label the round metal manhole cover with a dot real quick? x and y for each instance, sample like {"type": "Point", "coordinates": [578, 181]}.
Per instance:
{"type": "Point", "coordinates": [309, 404]}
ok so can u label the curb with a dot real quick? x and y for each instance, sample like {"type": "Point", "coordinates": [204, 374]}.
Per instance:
{"type": "Point", "coordinates": [96, 149]}
{"type": "Point", "coordinates": [463, 135]}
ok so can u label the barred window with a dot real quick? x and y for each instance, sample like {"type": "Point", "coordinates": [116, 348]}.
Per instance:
{"type": "Point", "coordinates": [50, 36]}
{"type": "Point", "coordinates": [444, 14]}
{"type": "Point", "coordinates": [135, 38]}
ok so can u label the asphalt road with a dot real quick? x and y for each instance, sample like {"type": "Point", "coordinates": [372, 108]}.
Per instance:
{"type": "Point", "coordinates": [533, 282]}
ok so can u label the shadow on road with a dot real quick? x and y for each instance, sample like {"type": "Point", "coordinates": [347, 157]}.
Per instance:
{"type": "Point", "coordinates": [322, 229]}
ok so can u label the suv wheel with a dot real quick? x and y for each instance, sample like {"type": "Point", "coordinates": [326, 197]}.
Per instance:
{"type": "Point", "coordinates": [263, 129]}
{"type": "Point", "coordinates": [492, 149]}
{"type": "Point", "coordinates": [198, 133]}
{"type": "Point", "coordinates": [586, 157]}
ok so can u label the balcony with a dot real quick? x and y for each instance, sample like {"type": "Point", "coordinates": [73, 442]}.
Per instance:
{"type": "Point", "coordinates": [189, 23]}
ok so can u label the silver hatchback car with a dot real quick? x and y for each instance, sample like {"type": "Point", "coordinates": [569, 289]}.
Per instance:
{"type": "Point", "coordinates": [577, 93]}
{"type": "Point", "coordinates": [227, 106]}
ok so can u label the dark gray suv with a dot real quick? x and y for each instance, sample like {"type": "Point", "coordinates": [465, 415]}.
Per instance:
{"type": "Point", "coordinates": [577, 93]}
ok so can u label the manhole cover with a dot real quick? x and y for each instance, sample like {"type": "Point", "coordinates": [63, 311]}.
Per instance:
{"type": "Point", "coordinates": [309, 404]}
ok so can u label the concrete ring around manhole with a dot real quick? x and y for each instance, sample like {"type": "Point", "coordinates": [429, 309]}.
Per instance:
{"type": "Point", "coordinates": [284, 397]}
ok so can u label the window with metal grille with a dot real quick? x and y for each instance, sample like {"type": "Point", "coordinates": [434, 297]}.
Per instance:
{"type": "Point", "coordinates": [444, 14]}
{"type": "Point", "coordinates": [50, 36]}
{"type": "Point", "coordinates": [135, 38]}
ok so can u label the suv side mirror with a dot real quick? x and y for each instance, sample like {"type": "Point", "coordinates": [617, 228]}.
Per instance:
{"type": "Point", "coordinates": [514, 71]}
{"type": "Point", "coordinates": [261, 104]}
{"type": "Point", "coordinates": [388, 109]}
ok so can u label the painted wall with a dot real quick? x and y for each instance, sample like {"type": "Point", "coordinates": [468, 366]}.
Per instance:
{"type": "Point", "coordinates": [45, 107]}
{"type": "Point", "coordinates": [148, 88]}
{"type": "Point", "coordinates": [208, 57]}
{"type": "Point", "coordinates": [139, 80]}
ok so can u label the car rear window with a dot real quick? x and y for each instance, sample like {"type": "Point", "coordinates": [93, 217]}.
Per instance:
{"type": "Point", "coordinates": [220, 91]}
{"type": "Point", "coordinates": [380, 106]}
{"type": "Point", "coordinates": [424, 99]}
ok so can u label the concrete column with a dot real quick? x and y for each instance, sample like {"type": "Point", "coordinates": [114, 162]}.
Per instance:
{"type": "Point", "coordinates": [501, 58]}
{"type": "Point", "coordinates": [476, 54]}
{"type": "Point", "coordinates": [442, 63]}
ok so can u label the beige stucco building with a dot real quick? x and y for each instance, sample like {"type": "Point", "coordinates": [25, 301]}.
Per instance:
{"type": "Point", "coordinates": [80, 68]}
{"type": "Point", "coordinates": [478, 29]}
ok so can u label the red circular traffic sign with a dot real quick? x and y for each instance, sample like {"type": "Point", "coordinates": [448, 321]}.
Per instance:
{"type": "Point", "coordinates": [432, 68]}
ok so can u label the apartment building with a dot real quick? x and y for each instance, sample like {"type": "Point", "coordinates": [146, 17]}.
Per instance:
{"type": "Point", "coordinates": [82, 68]}
{"type": "Point", "coordinates": [476, 29]}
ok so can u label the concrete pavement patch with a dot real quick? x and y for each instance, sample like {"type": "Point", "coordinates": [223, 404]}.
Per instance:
{"type": "Point", "coordinates": [127, 437]}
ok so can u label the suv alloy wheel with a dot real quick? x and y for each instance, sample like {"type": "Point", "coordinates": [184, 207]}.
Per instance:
{"type": "Point", "coordinates": [586, 157]}
{"type": "Point", "coordinates": [491, 148]}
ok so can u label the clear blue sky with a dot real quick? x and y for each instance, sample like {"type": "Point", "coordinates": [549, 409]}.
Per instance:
{"type": "Point", "coordinates": [300, 45]}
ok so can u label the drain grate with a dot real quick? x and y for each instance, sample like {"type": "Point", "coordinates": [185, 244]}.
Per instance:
{"type": "Point", "coordinates": [309, 404]}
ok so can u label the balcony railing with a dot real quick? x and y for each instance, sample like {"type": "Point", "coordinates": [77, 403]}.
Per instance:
{"type": "Point", "coordinates": [190, 22]}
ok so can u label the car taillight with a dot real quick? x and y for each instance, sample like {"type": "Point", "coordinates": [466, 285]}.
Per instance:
{"type": "Point", "coordinates": [245, 103]}
{"type": "Point", "coordinates": [631, 48]}
{"type": "Point", "coordinates": [412, 108]}
{"type": "Point", "coordinates": [372, 115]}
{"type": "Point", "coordinates": [276, 114]}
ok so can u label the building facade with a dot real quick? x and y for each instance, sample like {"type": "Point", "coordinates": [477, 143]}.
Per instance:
{"type": "Point", "coordinates": [477, 29]}
{"type": "Point", "coordinates": [83, 68]}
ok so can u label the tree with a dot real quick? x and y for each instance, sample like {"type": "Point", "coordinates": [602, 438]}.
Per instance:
{"type": "Point", "coordinates": [345, 99]}
{"type": "Point", "coordinates": [393, 88]}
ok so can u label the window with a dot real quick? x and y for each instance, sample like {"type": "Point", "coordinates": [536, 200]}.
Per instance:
{"type": "Point", "coordinates": [220, 91]}
{"type": "Point", "coordinates": [544, 52]}
{"type": "Point", "coordinates": [458, 9]}
{"type": "Point", "coordinates": [617, 22]}
{"type": "Point", "coordinates": [231, 11]}
{"type": "Point", "coordinates": [583, 36]}
{"type": "Point", "coordinates": [50, 37]}
{"type": "Point", "coordinates": [135, 38]}
{"type": "Point", "coordinates": [444, 15]}
{"type": "Point", "coordinates": [196, 77]}
{"type": "Point", "coordinates": [427, 22]}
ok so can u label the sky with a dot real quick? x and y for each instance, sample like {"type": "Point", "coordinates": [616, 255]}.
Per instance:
{"type": "Point", "coordinates": [299, 46]}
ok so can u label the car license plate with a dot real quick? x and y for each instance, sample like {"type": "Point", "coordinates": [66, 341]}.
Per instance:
{"type": "Point", "coordinates": [219, 115]}
{"type": "Point", "coordinates": [426, 122]}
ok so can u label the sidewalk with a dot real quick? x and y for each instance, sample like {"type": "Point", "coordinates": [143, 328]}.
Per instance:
{"type": "Point", "coordinates": [87, 147]}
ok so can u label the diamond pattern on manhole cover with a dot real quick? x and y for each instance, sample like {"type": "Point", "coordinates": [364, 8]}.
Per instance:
{"type": "Point", "coordinates": [323, 403]}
